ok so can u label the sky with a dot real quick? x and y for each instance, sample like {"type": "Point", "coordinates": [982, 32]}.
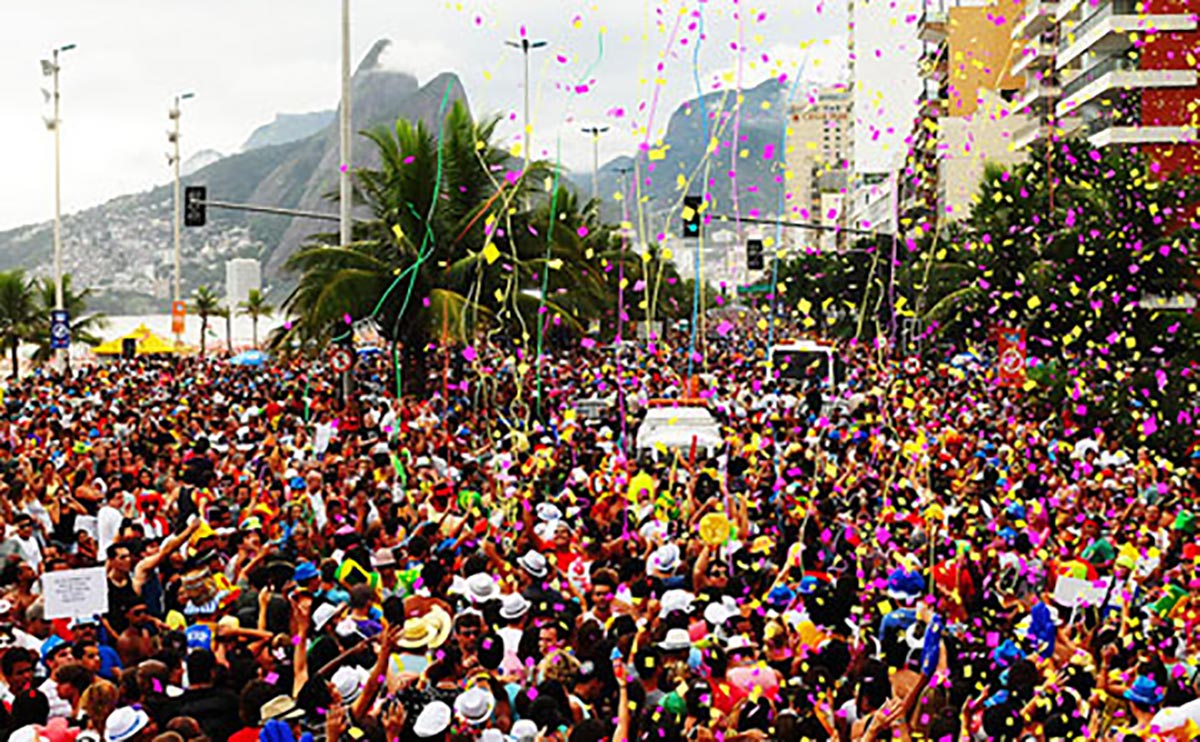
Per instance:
{"type": "Point", "coordinates": [248, 60]}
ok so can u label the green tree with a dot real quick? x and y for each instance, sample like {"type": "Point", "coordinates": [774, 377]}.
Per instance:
{"type": "Point", "coordinates": [84, 325]}
{"type": "Point", "coordinates": [18, 313]}
{"type": "Point", "coordinates": [441, 265]}
{"type": "Point", "coordinates": [205, 303]}
{"type": "Point", "coordinates": [255, 306]}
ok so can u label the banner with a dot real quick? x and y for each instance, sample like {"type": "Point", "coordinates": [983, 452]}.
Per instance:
{"type": "Point", "coordinates": [1011, 352]}
{"type": "Point", "coordinates": [74, 593]}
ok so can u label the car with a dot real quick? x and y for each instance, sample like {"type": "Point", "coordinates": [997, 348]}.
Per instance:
{"type": "Point", "coordinates": [670, 426]}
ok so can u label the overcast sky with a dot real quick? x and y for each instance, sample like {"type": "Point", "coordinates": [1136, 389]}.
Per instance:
{"type": "Point", "coordinates": [247, 60]}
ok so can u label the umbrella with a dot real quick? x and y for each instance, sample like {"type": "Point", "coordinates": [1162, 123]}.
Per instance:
{"type": "Point", "coordinates": [370, 350]}
{"type": "Point", "coordinates": [249, 358]}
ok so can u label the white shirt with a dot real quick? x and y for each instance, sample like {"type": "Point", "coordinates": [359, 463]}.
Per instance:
{"type": "Point", "coordinates": [109, 525]}
{"type": "Point", "coordinates": [58, 707]}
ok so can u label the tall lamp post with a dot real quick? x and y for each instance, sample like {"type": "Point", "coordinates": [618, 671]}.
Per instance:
{"type": "Point", "coordinates": [50, 68]}
{"type": "Point", "coordinates": [173, 138]}
{"type": "Point", "coordinates": [344, 132]}
{"type": "Point", "coordinates": [595, 131]}
{"type": "Point", "coordinates": [525, 45]}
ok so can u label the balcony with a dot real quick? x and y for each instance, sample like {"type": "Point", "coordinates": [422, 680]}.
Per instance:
{"type": "Point", "coordinates": [1107, 131]}
{"type": "Point", "coordinates": [1107, 30]}
{"type": "Point", "coordinates": [1038, 97]}
{"type": "Point", "coordinates": [1030, 134]}
{"type": "Point", "coordinates": [1121, 73]}
{"type": "Point", "coordinates": [1036, 20]}
{"type": "Point", "coordinates": [934, 63]}
{"type": "Point", "coordinates": [932, 26]}
{"type": "Point", "coordinates": [1038, 55]}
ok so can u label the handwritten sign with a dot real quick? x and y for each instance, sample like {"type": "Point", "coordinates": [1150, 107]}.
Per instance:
{"type": "Point", "coordinates": [75, 593]}
{"type": "Point", "coordinates": [1072, 592]}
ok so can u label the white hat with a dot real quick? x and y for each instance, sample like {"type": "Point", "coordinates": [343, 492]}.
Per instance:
{"type": "Point", "coordinates": [663, 559]}
{"type": "Point", "coordinates": [523, 730]}
{"type": "Point", "coordinates": [676, 600]}
{"type": "Point", "coordinates": [548, 512]}
{"type": "Point", "coordinates": [737, 643]}
{"type": "Point", "coordinates": [349, 681]}
{"type": "Point", "coordinates": [492, 735]}
{"type": "Point", "coordinates": [718, 613]}
{"type": "Point", "coordinates": [482, 587]}
{"type": "Point", "coordinates": [513, 606]}
{"type": "Point", "coordinates": [475, 705]}
{"type": "Point", "coordinates": [124, 723]}
{"type": "Point", "coordinates": [433, 720]}
{"type": "Point", "coordinates": [534, 563]}
{"type": "Point", "coordinates": [322, 614]}
{"type": "Point", "coordinates": [675, 640]}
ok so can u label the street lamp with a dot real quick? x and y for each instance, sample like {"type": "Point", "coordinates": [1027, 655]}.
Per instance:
{"type": "Point", "coordinates": [344, 133]}
{"type": "Point", "coordinates": [595, 131]}
{"type": "Point", "coordinates": [50, 68]}
{"type": "Point", "coordinates": [173, 138]}
{"type": "Point", "coordinates": [525, 45]}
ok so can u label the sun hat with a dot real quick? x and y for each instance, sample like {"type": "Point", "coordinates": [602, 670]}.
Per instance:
{"type": "Point", "coordinates": [349, 681]}
{"type": "Point", "coordinates": [534, 563]}
{"type": "Point", "coordinates": [482, 587]}
{"type": "Point", "coordinates": [280, 707]}
{"type": "Point", "coordinates": [676, 640]}
{"type": "Point", "coordinates": [663, 559]}
{"type": "Point", "coordinates": [440, 624]}
{"type": "Point", "coordinates": [322, 614]}
{"type": "Point", "coordinates": [738, 643]}
{"type": "Point", "coordinates": [475, 705]}
{"type": "Point", "coordinates": [548, 512]}
{"type": "Point", "coordinates": [523, 730]}
{"type": "Point", "coordinates": [513, 606]}
{"type": "Point", "coordinates": [1144, 691]}
{"type": "Point", "coordinates": [718, 613]}
{"type": "Point", "coordinates": [676, 600]}
{"type": "Point", "coordinates": [383, 558]}
{"type": "Point", "coordinates": [416, 634]}
{"type": "Point", "coordinates": [305, 571]}
{"type": "Point", "coordinates": [124, 724]}
{"type": "Point", "coordinates": [433, 720]}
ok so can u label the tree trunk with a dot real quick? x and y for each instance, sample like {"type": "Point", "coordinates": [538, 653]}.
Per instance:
{"type": "Point", "coordinates": [229, 333]}
{"type": "Point", "coordinates": [254, 329]}
{"type": "Point", "coordinates": [15, 362]}
{"type": "Point", "coordinates": [203, 333]}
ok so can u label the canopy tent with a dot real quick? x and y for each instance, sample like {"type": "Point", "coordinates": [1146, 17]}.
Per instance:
{"type": "Point", "coordinates": [148, 344]}
{"type": "Point", "coordinates": [249, 358]}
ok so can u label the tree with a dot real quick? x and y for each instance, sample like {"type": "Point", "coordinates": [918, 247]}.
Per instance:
{"type": "Point", "coordinates": [205, 303]}
{"type": "Point", "coordinates": [441, 265]}
{"type": "Point", "coordinates": [18, 313]}
{"type": "Point", "coordinates": [254, 307]}
{"type": "Point", "coordinates": [83, 325]}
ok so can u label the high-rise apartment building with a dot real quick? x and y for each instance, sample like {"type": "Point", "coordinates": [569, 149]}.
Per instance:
{"type": "Point", "coordinates": [1122, 71]}
{"type": "Point", "coordinates": [819, 144]}
{"type": "Point", "coordinates": [242, 275]}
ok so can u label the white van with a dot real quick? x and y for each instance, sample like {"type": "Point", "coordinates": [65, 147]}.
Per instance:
{"type": "Point", "coordinates": [793, 361]}
{"type": "Point", "coordinates": [675, 428]}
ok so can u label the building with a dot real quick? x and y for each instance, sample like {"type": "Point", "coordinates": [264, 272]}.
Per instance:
{"type": "Point", "coordinates": [966, 115]}
{"type": "Point", "coordinates": [819, 142]}
{"type": "Point", "coordinates": [1036, 34]}
{"type": "Point", "coordinates": [883, 54]}
{"type": "Point", "coordinates": [242, 275]}
{"type": "Point", "coordinates": [1129, 74]}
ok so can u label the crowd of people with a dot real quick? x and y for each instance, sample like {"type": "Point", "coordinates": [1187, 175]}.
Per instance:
{"type": "Point", "coordinates": [910, 553]}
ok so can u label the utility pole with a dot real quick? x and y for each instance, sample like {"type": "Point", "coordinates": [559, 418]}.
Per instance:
{"type": "Point", "coordinates": [173, 138]}
{"type": "Point", "coordinates": [50, 68]}
{"type": "Point", "coordinates": [525, 45]}
{"type": "Point", "coordinates": [595, 131]}
{"type": "Point", "coordinates": [344, 130]}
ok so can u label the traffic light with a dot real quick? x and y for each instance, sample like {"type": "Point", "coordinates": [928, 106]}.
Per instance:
{"type": "Point", "coordinates": [754, 255]}
{"type": "Point", "coordinates": [195, 211]}
{"type": "Point", "coordinates": [691, 215]}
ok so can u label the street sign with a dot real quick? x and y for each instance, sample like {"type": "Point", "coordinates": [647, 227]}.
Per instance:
{"type": "Point", "coordinates": [178, 315]}
{"type": "Point", "coordinates": [757, 288]}
{"type": "Point", "coordinates": [340, 359]}
{"type": "Point", "coordinates": [60, 329]}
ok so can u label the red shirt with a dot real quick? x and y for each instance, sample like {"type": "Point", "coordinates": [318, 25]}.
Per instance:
{"type": "Point", "coordinates": [248, 734]}
{"type": "Point", "coordinates": [725, 696]}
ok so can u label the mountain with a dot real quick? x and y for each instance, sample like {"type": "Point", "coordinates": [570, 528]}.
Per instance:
{"type": "Point", "coordinates": [288, 127]}
{"type": "Point", "coordinates": [681, 153]}
{"type": "Point", "coordinates": [124, 248]}
{"type": "Point", "coordinates": [198, 161]}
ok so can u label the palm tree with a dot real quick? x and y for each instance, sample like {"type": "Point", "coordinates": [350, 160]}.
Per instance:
{"type": "Point", "coordinates": [205, 303]}
{"type": "Point", "coordinates": [440, 265]}
{"type": "Point", "coordinates": [83, 325]}
{"type": "Point", "coordinates": [18, 313]}
{"type": "Point", "coordinates": [255, 306]}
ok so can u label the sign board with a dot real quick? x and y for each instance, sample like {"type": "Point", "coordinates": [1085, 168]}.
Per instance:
{"type": "Point", "coordinates": [340, 360]}
{"type": "Point", "coordinates": [757, 288]}
{"type": "Point", "coordinates": [60, 329]}
{"type": "Point", "coordinates": [1011, 354]}
{"type": "Point", "coordinates": [178, 314]}
{"type": "Point", "coordinates": [74, 593]}
{"type": "Point", "coordinates": [650, 330]}
{"type": "Point", "coordinates": [1072, 592]}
